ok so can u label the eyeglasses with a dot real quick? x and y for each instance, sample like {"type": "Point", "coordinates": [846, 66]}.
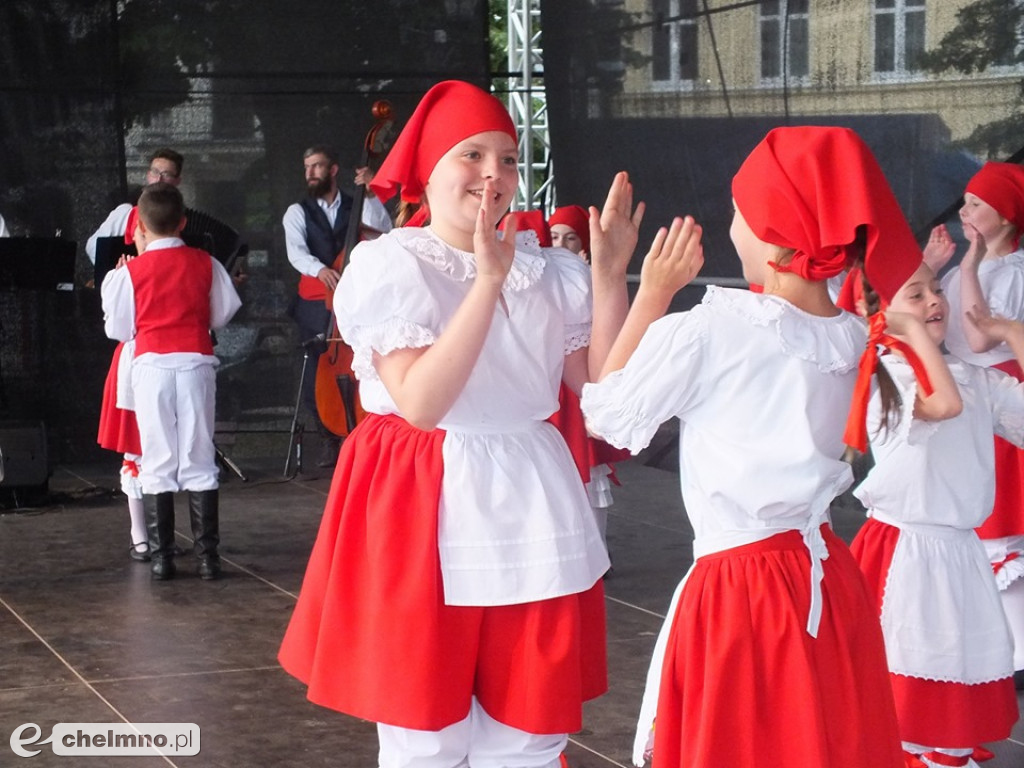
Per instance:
{"type": "Point", "coordinates": [162, 175]}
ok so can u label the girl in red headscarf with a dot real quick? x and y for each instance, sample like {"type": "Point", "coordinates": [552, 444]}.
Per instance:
{"type": "Point", "coordinates": [990, 278]}
{"type": "Point", "coordinates": [948, 646]}
{"type": "Point", "coordinates": [771, 653]}
{"type": "Point", "coordinates": [454, 593]}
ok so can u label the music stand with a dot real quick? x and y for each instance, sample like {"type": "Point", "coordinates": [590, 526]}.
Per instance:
{"type": "Point", "coordinates": [110, 249]}
{"type": "Point", "coordinates": [37, 263]}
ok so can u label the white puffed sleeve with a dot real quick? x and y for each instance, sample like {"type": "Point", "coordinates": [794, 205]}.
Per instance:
{"type": "Point", "coordinates": [1007, 396]}
{"type": "Point", "coordinates": [665, 377]}
{"type": "Point", "coordinates": [1005, 293]}
{"type": "Point", "coordinates": [575, 286]}
{"type": "Point", "coordinates": [383, 303]}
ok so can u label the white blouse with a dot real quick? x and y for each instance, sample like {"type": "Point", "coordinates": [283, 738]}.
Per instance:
{"type": "Point", "coordinates": [941, 616]}
{"type": "Point", "coordinates": [515, 523]}
{"type": "Point", "coordinates": [1002, 283]}
{"type": "Point", "coordinates": [942, 472]}
{"type": "Point", "coordinates": [762, 390]}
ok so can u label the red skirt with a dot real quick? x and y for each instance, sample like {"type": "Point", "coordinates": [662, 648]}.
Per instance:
{"type": "Point", "coordinates": [118, 430]}
{"type": "Point", "coordinates": [1007, 518]}
{"type": "Point", "coordinates": [931, 712]}
{"type": "Point", "coordinates": [372, 637]}
{"type": "Point", "coordinates": [745, 685]}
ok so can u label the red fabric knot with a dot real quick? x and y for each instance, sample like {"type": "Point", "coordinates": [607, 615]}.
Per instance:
{"type": "Point", "coordinates": [941, 758]}
{"type": "Point", "coordinates": [856, 435]}
{"type": "Point", "coordinates": [131, 466]}
{"type": "Point", "coordinates": [996, 568]}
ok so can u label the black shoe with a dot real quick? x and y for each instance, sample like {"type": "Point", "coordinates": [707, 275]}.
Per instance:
{"type": "Point", "coordinates": [209, 568]}
{"type": "Point", "coordinates": [139, 556]}
{"type": "Point", "coordinates": [162, 569]}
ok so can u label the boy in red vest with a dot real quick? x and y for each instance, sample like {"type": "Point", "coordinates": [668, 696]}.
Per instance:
{"type": "Point", "coordinates": [168, 299]}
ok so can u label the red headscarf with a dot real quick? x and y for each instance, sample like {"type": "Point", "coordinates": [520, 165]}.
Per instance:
{"type": "Point", "coordinates": [809, 188]}
{"type": "Point", "coordinates": [533, 220]}
{"type": "Point", "coordinates": [448, 113]}
{"type": "Point", "coordinates": [576, 217]}
{"type": "Point", "coordinates": [1001, 185]}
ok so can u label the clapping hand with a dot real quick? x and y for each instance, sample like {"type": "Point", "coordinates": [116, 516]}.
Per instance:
{"type": "Point", "coordinates": [614, 229]}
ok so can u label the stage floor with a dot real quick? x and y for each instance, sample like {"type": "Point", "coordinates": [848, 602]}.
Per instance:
{"type": "Point", "coordinates": [85, 636]}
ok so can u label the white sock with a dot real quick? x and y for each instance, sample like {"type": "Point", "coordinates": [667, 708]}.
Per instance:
{"type": "Point", "coordinates": [138, 518]}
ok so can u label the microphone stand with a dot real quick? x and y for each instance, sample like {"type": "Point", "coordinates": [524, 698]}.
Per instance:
{"type": "Point", "coordinates": [298, 428]}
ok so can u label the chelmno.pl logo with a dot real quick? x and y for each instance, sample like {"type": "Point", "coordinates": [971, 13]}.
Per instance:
{"type": "Point", "coordinates": [108, 739]}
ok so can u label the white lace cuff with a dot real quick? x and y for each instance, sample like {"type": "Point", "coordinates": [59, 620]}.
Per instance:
{"type": "Point", "coordinates": [576, 337]}
{"type": "Point", "coordinates": [382, 338]}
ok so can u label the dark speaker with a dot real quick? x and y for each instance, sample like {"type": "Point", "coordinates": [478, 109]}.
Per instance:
{"type": "Point", "coordinates": [23, 457]}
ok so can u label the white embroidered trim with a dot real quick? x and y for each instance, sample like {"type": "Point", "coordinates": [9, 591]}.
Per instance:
{"type": "Point", "coordinates": [526, 270]}
{"type": "Point", "coordinates": [814, 342]}
{"type": "Point", "coordinates": [394, 333]}
{"type": "Point", "coordinates": [576, 337]}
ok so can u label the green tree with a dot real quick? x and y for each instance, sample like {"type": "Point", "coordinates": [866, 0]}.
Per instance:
{"type": "Point", "coordinates": [986, 34]}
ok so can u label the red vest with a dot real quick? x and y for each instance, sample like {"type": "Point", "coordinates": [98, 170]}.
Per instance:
{"type": "Point", "coordinates": [172, 300]}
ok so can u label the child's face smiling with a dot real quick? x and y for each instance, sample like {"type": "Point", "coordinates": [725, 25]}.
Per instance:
{"type": "Point", "coordinates": [922, 297]}
{"type": "Point", "coordinates": [455, 188]}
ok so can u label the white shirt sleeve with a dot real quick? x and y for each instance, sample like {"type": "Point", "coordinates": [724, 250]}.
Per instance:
{"type": "Point", "coordinates": [4, 231]}
{"type": "Point", "coordinates": [304, 262]}
{"type": "Point", "coordinates": [112, 226]}
{"type": "Point", "coordinates": [117, 295]}
{"type": "Point", "coordinates": [375, 215]}
{"type": "Point", "coordinates": [664, 377]}
{"type": "Point", "coordinates": [224, 299]}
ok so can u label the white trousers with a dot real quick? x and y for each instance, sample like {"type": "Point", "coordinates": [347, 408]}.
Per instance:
{"type": "Point", "coordinates": [175, 411]}
{"type": "Point", "coordinates": [479, 741]}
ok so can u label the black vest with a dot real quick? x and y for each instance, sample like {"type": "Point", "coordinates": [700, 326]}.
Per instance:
{"type": "Point", "coordinates": [324, 242]}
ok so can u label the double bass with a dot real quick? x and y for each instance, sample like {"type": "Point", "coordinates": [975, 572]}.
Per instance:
{"type": "Point", "coordinates": [337, 395]}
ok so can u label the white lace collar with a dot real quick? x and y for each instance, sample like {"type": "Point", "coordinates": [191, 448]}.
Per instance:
{"type": "Point", "coordinates": [834, 344]}
{"type": "Point", "coordinates": [527, 267]}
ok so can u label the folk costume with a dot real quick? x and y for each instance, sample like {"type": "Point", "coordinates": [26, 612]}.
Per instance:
{"type": "Point", "coordinates": [771, 652]}
{"type": "Point", "coordinates": [947, 642]}
{"type": "Point", "coordinates": [173, 384]}
{"type": "Point", "coordinates": [476, 537]}
{"type": "Point", "coordinates": [1001, 185]}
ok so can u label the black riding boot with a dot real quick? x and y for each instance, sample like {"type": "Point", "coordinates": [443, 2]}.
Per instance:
{"type": "Point", "coordinates": [159, 509]}
{"type": "Point", "coordinates": [205, 516]}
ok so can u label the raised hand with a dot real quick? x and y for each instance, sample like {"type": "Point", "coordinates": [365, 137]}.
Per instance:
{"type": "Point", "coordinates": [939, 249]}
{"type": "Point", "coordinates": [675, 257]}
{"type": "Point", "coordinates": [614, 229]}
{"type": "Point", "coordinates": [494, 253]}
{"type": "Point", "coordinates": [976, 250]}
{"type": "Point", "coordinates": [995, 327]}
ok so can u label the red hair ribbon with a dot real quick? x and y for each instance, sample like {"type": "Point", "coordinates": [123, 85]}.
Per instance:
{"type": "Point", "coordinates": [856, 435]}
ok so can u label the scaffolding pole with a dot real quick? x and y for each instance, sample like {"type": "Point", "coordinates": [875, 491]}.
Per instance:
{"type": "Point", "coordinates": [527, 103]}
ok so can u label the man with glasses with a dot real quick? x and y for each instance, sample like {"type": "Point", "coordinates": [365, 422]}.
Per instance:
{"type": "Point", "coordinates": [164, 165]}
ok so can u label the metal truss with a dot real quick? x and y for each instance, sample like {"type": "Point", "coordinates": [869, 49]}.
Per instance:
{"type": "Point", "coordinates": [528, 106]}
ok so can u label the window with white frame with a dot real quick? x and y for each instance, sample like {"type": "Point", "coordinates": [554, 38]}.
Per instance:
{"type": "Point", "coordinates": [674, 47]}
{"type": "Point", "coordinates": [899, 36]}
{"type": "Point", "coordinates": [784, 39]}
